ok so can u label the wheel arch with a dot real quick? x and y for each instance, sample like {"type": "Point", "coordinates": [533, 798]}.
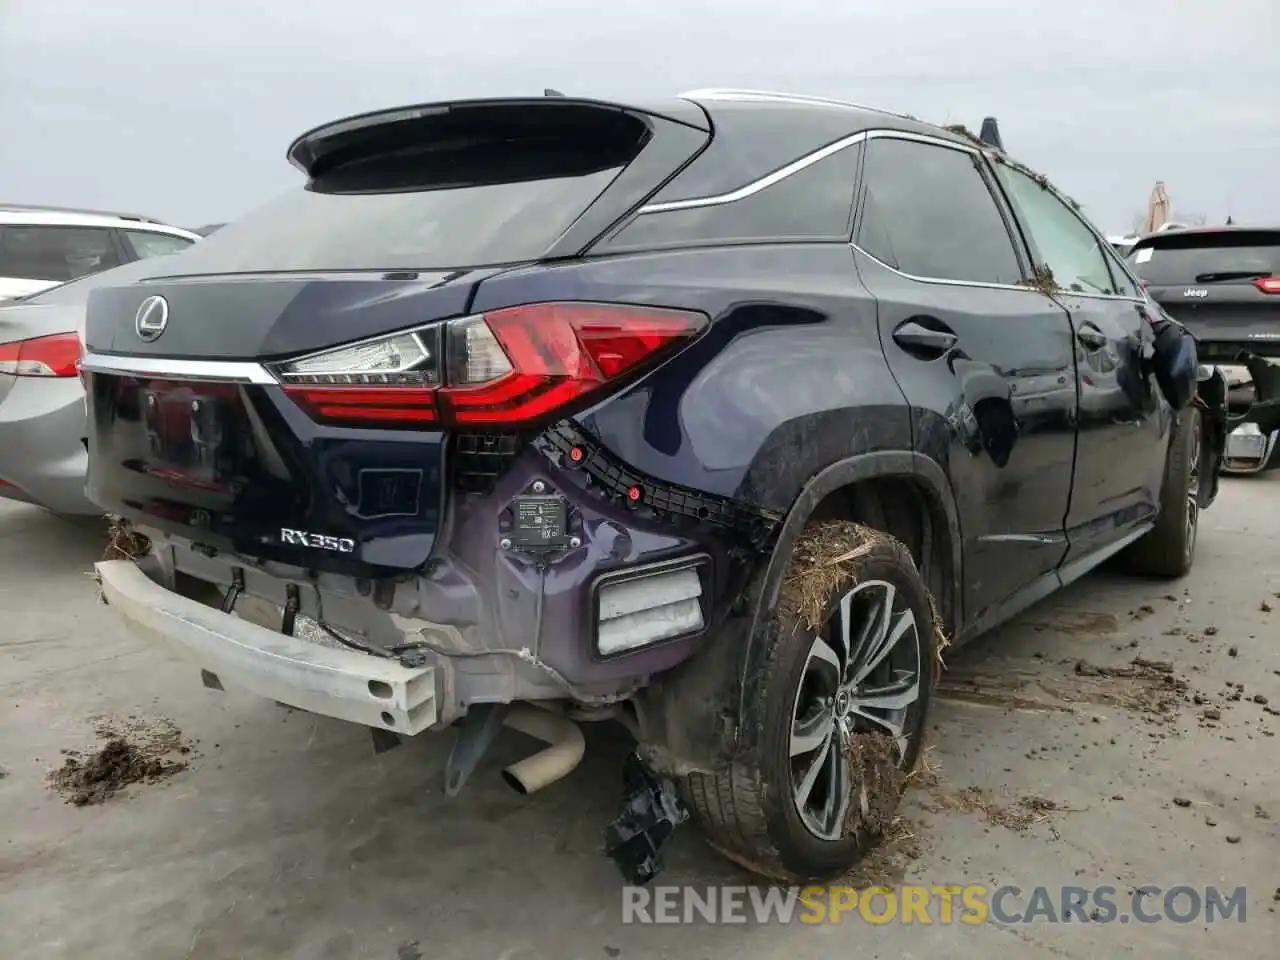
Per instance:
{"type": "Point", "coordinates": [942, 550]}
{"type": "Point", "coordinates": [690, 718]}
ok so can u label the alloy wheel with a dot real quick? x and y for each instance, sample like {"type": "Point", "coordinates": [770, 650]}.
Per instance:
{"type": "Point", "coordinates": [862, 674]}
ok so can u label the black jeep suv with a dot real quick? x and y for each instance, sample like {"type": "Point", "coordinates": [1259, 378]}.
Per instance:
{"type": "Point", "coordinates": [718, 417]}
{"type": "Point", "coordinates": [1223, 285]}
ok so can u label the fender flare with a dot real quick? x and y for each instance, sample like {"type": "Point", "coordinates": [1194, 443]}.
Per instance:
{"type": "Point", "coordinates": [867, 466]}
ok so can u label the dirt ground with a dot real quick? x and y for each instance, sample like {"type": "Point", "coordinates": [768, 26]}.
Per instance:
{"type": "Point", "coordinates": [1120, 733]}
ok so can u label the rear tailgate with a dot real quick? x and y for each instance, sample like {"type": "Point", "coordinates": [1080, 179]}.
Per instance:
{"type": "Point", "coordinates": [196, 429]}
{"type": "Point", "coordinates": [191, 432]}
{"type": "Point", "coordinates": [1223, 284]}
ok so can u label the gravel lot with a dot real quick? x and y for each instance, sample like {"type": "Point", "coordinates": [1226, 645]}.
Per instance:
{"type": "Point", "coordinates": [286, 837]}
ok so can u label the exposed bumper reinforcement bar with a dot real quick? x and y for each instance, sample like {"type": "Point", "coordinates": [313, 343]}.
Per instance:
{"type": "Point", "coordinates": [344, 684]}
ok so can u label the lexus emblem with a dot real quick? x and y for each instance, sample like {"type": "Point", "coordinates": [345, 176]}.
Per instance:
{"type": "Point", "coordinates": [152, 318]}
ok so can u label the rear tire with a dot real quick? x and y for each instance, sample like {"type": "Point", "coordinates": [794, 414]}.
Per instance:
{"type": "Point", "coordinates": [835, 726]}
{"type": "Point", "coordinates": [1169, 549]}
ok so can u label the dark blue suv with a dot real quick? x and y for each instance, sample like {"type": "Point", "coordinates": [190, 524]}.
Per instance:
{"type": "Point", "coordinates": [718, 417]}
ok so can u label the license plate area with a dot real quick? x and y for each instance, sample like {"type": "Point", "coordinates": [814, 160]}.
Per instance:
{"type": "Point", "coordinates": [191, 432]}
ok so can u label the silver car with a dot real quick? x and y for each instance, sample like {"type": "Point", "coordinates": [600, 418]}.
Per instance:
{"type": "Point", "coordinates": [42, 409]}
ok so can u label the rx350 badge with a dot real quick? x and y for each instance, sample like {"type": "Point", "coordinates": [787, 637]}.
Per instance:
{"type": "Point", "coordinates": [317, 541]}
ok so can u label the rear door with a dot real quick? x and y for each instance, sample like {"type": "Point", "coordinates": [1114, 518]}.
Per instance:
{"type": "Point", "coordinates": [1124, 424]}
{"type": "Point", "coordinates": [986, 363]}
{"type": "Point", "coordinates": [1223, 284]}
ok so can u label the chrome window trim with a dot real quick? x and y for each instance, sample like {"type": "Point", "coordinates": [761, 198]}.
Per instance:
{"type": "Point", "coordinates": [795, 166]}
{"type": "Point", "coordinates": [1024, 288]}
{"type": "Point", "coordinates": [751, 189]}
{"type": "Point", "coordinates": [224, 371]}
{"type": "Point", "coordinates": [944, 281]}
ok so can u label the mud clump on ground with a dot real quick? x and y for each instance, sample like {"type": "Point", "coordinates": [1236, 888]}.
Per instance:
{"type": "Point", "coordinates": [132, 752]}
{"type": "Point", "coordinates": [1153, 687]}
{"type": "Point", "coordinates": [886, 864]}
{"type": "Point", "coordinates": [1017, 816]}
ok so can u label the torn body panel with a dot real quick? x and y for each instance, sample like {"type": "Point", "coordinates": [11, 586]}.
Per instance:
{"type": "Point", "coordinates": [497, 622]}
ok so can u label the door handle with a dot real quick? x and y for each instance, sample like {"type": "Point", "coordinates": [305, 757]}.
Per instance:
{"type": "Point", "coordinates": [924, 342]}
{"type": "Point", "coordinates": [1091, 337]}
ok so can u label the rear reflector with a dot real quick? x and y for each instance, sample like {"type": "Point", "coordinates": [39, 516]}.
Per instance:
{"type": "Point", "coordinates": [1268, 284]}
{"type": "Point", "coordinates": [648, 609]}
{"type": "Point", "coordinates": [367, 405]}
{"type": "Point", "coordinates": [511, 367]}
{"type": "Point", "coordinates": [57, 355]}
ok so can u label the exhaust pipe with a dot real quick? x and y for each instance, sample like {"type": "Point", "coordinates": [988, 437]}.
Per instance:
{"type": "Point", "coordinates": [563, 753]}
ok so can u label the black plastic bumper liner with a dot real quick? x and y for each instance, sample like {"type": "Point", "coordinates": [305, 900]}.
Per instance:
{"type": "Point", "coordinates": [570, 447]}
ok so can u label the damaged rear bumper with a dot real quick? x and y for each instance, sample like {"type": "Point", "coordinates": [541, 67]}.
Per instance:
{"type": "Point", "coordinates": [344, 684]}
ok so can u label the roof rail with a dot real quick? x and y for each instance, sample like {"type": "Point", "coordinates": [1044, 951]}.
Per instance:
{"type": "Point", "coordinates": [41, 208]}
{"type": "Point", "coordinates": [774, 96]}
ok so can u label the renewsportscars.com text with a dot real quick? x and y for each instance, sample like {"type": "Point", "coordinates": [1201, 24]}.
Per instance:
{"type": "Point", "coordinates": [936, 904]}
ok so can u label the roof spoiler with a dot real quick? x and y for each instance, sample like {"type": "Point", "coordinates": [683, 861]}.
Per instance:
{"type": "Point", "coordinates": [990, 134]}
{"type": "Point", "coordinates": [331, 144]}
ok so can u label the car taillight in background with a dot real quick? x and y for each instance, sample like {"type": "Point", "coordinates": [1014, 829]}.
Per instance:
{"type": "Point", "coordinates": [57, 355]}
{"type": "Point", "coordinates": [1268, 284]}
{"type": "Point", "coordinates": [504, 368]}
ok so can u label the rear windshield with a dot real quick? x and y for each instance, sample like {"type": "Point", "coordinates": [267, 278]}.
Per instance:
{"type": "Point", "coordinates": [482, 205]}
{"type": "Point", "coordinates": [1175, 260]}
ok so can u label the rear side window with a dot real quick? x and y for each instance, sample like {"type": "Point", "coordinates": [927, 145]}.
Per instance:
{"type": "Point", "coordinates": [1207, 257]}
{"type": "Point", "coordinates": [463, 205]}
{"type": "Point", "coordinates": [57, 254]}
{"type": "Point", "coordinates": [147, 243]}
{"type": "Point", "coordinates": [814, 203]}
{"type": "Point", "coordinates": [927, 211]}
{"type": "Point", "coordinates": [1063, 241]}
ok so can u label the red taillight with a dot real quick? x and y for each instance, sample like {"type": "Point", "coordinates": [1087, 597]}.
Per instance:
{"type": "Point", "coordinates": [1268, 284]}
{"type": "Point", "coordinates": [408, 405]}
{"type": "Point", "coordinates": [509, 367]}
{"type": "Point", "coordinates": [57, 355]}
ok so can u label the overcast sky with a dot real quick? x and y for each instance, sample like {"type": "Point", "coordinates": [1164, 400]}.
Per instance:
{"type": "Point", "coordinates": [182, 109]}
